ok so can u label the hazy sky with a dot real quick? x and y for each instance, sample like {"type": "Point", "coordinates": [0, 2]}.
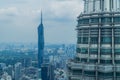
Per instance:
{"type": "Point", "coordinates": [19, 20]}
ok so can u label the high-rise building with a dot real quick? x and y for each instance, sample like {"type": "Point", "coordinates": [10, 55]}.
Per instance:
{"type": "Point", "coordinates": [27, 62]}
{"type": "Point", "coordinates": [40, 43]}
{"type": "Point", "coordinates": [18, 67]}
{"type": "Point", "coordinates": [47, 71]}
{"type": "Point", "coordinates": [98, 42]}
{"type": "Point", "coordinates": [9, 70]}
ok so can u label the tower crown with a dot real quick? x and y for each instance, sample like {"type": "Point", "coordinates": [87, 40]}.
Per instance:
{"type": "Point", "coordinates": [41, 18]}
{"type": "Point", "coordinates": [41, 22]}
{"type": "Point", "coordinates": [101, 5]}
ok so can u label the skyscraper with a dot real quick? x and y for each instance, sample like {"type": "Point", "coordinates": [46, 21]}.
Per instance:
{"type": "Point", "coordinates": [46, 68]}
{"type": "Point", "coordinates": [40, 43]}
{"type": "Point", "coordinates": [98, 42]}
{"type": "Point", "coordinates": [18, 67]}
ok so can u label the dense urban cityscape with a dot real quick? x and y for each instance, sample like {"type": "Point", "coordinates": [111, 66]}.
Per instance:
{"type": "Point", "coordinates": [18, 61]}
{"type": "Point", "coordinates": [95, 55]}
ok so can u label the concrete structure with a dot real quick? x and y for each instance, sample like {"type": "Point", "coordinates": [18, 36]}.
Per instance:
{"type": "Point", "coordinates": [98, 44]}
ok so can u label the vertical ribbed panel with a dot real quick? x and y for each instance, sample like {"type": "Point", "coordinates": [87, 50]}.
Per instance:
{"type": "Point", "coordinates": [97, 5]}
{"type": "Point", "coordinates": [101, 5]}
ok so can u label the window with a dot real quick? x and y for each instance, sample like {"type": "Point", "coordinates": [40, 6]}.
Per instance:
{"type": "Point", "coordinates": [94, 20]}
{"type": "Point", "coordinates": [106, 20]}
{"type": "Point", "coordinates": [94, 40]}
{"type": "Point", "coordinates": [77, 59]}
{"type": "Point", "coordinates": [80, 33]}
{"type": "Point", "coordinates": [93, 60]}
{"type": "Point", "coordinates": [109, 74]}
{"type": "Point", "coordinates": [83, 60]}
{"type": "Point", "coordinates": [94, 32]}
{"type": "Point", "coordinates": [106, 40]}
{"type": "Point", "coordinates": [85, 30]}
{"type": "Point", "coordinates": [93, 51]}
{"type": "Point", "coordinates": [78, 50]}
{"type": "Point", "coordinates": [106, 32]}
{"type": "Point", "coordinates": [84, 50]}
{"type": "Point", "coordinates": [117, 51]}
{"type": "Point", "coordinates": [85, 21]}
{"type": "Point", "coordinates": [116, 20]}
{"type": "Point", "coordinates": [118, 74]}
{"type": "Point", "coordinates": [117, 29]}
{"type": "Point", "coordinates": [85, 40]}
{"type": "Point", "coordinates": [117, 61]}
{"type": "Point", "coordinates": [90, 73]}
{"type": "Point", "coordinates": [106, 51]}
{"type": "Point", "coordinates": [77, 72]}
{"type": "Point", "coordinates": [106, 61]}
{"type": "Point", "coordinates": [117, 40]}
{"type": "Point", "coordinates": [79, 40]}
{"type": "Point", "coordinates": [93, 29]}
{"type": "Point", "coordinates": [80, 21]}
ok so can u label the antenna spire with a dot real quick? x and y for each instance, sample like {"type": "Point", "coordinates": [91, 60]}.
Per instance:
{"type": "Point", "coordinates": [41, 18]}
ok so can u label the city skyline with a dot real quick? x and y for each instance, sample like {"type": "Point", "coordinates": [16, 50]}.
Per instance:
{"type": "Point", "coordinates": [19, 20]}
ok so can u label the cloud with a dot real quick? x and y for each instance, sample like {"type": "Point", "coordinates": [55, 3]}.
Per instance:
{"type": "Point", "coordinates": [23, 17]}
{"type": "Point", "coordinates": [10, 11]}
{"type": "Point", "coordinates": [64, 8]}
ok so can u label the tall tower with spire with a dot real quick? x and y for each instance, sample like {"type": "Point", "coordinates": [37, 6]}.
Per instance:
{"type": "Point", "coordinates": [47, 70]}
{"type": "Point", "coordinates": [40, 43]}
{"type": "Point", "coordinates": [98, 42]}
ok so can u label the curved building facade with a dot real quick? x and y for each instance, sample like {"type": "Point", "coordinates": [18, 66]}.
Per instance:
{"type": "Point", "coordinates": [98, 42]}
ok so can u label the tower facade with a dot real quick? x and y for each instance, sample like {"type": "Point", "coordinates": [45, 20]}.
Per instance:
{"type": "Point", "coordinates": [40, 43]}
{"type": "Point", "coordinates": [18, 74]}
{"type": "Point", "coordinates": [98, 42]}
{"type": "Point", "coordinates": [45, 66]}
